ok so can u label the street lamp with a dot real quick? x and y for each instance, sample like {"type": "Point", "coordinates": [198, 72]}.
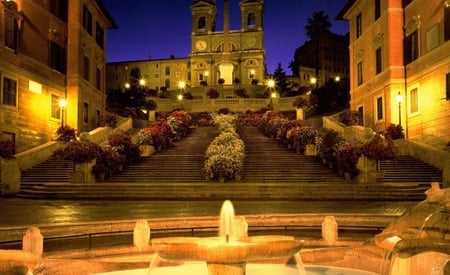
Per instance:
{"type": "Point", "coordinates": [62, 105]}
{"type": "Point", "coordinates": [399, 99]}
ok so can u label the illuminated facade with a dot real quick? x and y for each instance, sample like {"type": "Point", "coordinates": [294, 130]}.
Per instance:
{"type": "Point", "coordinates": [401, 47]}
{"type": "Point", "coordinates": [51, 50]}
{"type": "Point", "coordinates": [246, 52]}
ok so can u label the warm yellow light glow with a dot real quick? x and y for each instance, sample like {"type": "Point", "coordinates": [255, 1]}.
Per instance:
{"type": "Point", "coordinates": [142, 82]}
{"type": "Point", "coordinates": [206, 73]}
{"type": "Point", "coordinates": [34, 87]}
{"type": "Point", "coordinates": [127, 85]}
{"type": "Point", "coordinates": [273, 95]}
{"type": "Point", "coordinates": [271, 83]}
{"type": "Point", "coordinates": [180, 97]}
{"type": "Point", "coordinates": [62, 103]}
{"type": "Point", "coordinates": [337, 78]}
{"type": "Point", "coordinates": [313, 80]}
{"type": "Point", "coordinates": [181, 84]}
{"type": "Point", "coordinates": [399, 98]}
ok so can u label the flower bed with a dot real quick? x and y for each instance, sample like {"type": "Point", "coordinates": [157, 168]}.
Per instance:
{"type": "Point", "coordinates": [224, 157]}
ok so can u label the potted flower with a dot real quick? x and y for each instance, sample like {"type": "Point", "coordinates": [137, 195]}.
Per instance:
{"type": "Point", "coordinates": [145, 142]}
{"type": "Point", "coordinates": [350, 117]}
{"type": "Point", "coordinates": [84, 155]}
{"type": "Point", "coordinates": [328, 145]}
{"type": "Point", "coordinates": [212, 93]}
{"type": "Point", "coordinates": [109, 120]}
{"type": "Point", "coordinates": [395, 131]}
{"type": "Point", "coordinates": [377, 149]}
{"type": "Point", "coordinates": [66, 133]}
{"type": "Point", "coordinates": [347, 159]}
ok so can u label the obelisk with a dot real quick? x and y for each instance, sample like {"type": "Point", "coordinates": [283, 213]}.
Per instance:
{"type": "Point", "coordinates": [226, 67]}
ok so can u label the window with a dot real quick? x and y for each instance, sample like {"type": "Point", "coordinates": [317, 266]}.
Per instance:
{"type": "Point", "coordinates": [411, 47]}
{"type": "Point", "coordinates": [360, 73]}
{"type": "Point", "coordinates": [86, 67]}
{"type": "Point", "coordinates": [98, 118]}
{"type": "Point", "coordinates": [406, 3]}
{"type": "Point", "coordinates": [201, 23]}
{"type": "Point", "coordinates": [9, 92]}
{"type": "Point", "coordinates": [59, 8]}
{"type": "Point", "coordinates": [377, 9]}
{"type": "Point", "coordinates": [99, 35]}
{"type": "Point", "coordinates": [414, 97]}
{"type": "Point", "coordinates": [56, 108]}
{"type": "Point", "coordinates": [98, 79]}
{"type": "Point", "coordinates": [378, 61]}
{"type": "Point", "coordinates": [379, 108]}
{"type": "Point", "coordinates": [447, 23]}
{"type": "Point", "coordinates": [87, 20]}
{"type": "Point", "coordinates": [11, 26]}
{"type": "Point", "coordinates": [167, 83]}
{"type": "Point", "coordinates": [251, 20]}
{"type": "Point", "coordinates": [85, 112]}
{"type": "Point", "coordinates": [57, 57]}
{"type": "Point", "coordinates": [167, 70]}
{"type": "Point", "coordinates": [361, 115]}
{"type": "Point", "coordinates": [358, 25]}
{"type": "Point", "coordinates": [447, 94]}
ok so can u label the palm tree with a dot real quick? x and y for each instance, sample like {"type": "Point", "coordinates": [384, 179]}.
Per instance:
{"type": "Point", "coordinates": [318, 25]}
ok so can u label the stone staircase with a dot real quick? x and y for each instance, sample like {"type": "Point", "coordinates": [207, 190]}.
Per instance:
{"type": "Point", "coordinates": [271, 171]}
{"type": "Point", "coordinates": [409, 169]}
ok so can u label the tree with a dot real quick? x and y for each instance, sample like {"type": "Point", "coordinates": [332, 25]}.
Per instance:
{"type": "Point", "coordinates": [280, 79]}
{"type": "Point", "coordinates": [317, 25]}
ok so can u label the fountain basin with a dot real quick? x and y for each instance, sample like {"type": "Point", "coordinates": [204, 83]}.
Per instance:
{"type": "Point", "coordinates": [216, 249]}
{"type": "Point", "coordinates": [251, 269]}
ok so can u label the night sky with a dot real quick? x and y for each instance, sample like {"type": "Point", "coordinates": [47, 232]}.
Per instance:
{"type": "Point", "coordinates": [162, 28]}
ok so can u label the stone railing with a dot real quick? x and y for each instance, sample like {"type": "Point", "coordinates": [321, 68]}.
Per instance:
{"type": "Point", "coordinates": [233, 104]}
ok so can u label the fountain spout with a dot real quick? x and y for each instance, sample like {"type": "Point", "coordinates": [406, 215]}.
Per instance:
{"type": "Point", "coordinates": [226, 224]}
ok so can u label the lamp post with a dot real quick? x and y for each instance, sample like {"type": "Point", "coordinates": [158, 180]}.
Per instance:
{"type": "Point", "coordinates": [271, 85]}
{"type": "Point", "coordinates": [62, 105]}
{"type": "Point", "coordinates": [399, 99]}
{"type": "Point", "coordinates": [181, 86]}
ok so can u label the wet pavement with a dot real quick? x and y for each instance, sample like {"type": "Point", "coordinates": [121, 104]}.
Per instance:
{"type": "Point", "coordinates": [17, 212]}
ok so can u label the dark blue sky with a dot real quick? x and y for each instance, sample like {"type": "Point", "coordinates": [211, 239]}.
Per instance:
{"type": "Point", "coordinates": [162, 28]}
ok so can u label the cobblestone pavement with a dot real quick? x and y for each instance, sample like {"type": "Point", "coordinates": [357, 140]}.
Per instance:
{"type": "Point", "coordinates": [28, 212]}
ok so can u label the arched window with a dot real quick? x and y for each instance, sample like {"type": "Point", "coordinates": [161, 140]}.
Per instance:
{"type": "Point", "coordinates": [201, 23]}
{"type": "Point", "coordinates": [251, 20]}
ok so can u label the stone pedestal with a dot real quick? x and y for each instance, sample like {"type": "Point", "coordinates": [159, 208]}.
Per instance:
{"type": "Point", "coordinates": [368, 170]}
{"type": "Point", "coordinates": [141, 235]}
{"type": "Point", "coordinates": [33, 241]}
{"type": "Point", "coordinates": [311, 150]}
{"type": "Point", "coordinates": [300, 113]}
{"type": "Point", "coordinates": [84, 172]}
{"type": "Point", "coordinates": [329, 230]}
{"type": "Point", "coordinates": [9, 177]}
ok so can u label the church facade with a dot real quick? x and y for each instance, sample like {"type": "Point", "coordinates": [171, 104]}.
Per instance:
{"type": "Point", "coordinates": [226, 56]}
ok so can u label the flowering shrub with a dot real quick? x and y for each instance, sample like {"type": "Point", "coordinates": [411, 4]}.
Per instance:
{"type": "Point", "coordinates": [212, 93]}
{"type": "Point", "coordinates": [224, 157]}
{"type": "Point", "coordinates": [299, 137]}
{"type": "Point", "coordinates": [151, 105]}
{"type": "Point", "coordinates": [7, 148]}
{"type": "Point", "coordinates": [347, 158]}
{"type": "Point", "coordinates": [300, 102]}
{"type": "Point", "coordinates": [328, 144]}
{"type": "Point", "coordinates": [144, 137]}
{"type": "Point", "coordinates": [79, 151]}
{"type": "Point", "coordinates": [109, 120]}
{"type": "Point", "coordinates": [350, 117]}
{"type": "Point", "coordinates": [66, 133]}
{"type": "Point", "coordinates": [395, 131]}
{"type": "Point", "coordinates": [379, 148]}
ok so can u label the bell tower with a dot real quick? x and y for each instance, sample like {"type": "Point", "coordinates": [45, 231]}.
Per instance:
{"type": "Point", "coordinates": [252, 15]}
{"type": "Point", "coordinates": [204, 13]}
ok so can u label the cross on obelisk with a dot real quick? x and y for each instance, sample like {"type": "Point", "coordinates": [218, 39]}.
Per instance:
{"type": "Point", "coordinates": [226, 67]}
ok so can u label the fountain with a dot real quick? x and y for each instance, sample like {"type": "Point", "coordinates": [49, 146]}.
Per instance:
{"type": "Point", "coordinates": [230, 252]}
{"type": "Point", "coordinates": [419, 241]}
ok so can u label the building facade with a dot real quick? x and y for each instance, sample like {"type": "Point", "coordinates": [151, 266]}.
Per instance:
{"type": "Point", "coordinates": [333, 59]}
{"type": "Point", "coordinates": [51, 51]}
{"type": "Point", "coordinates": [400, 64]}
{"type": "Point", "coordinates": [242, 49]}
